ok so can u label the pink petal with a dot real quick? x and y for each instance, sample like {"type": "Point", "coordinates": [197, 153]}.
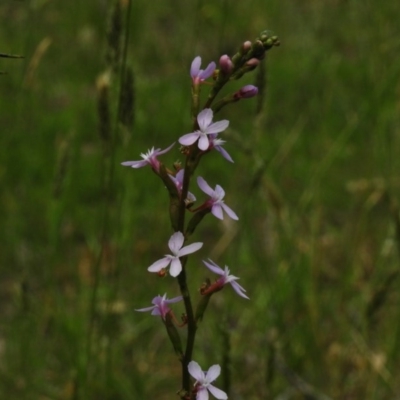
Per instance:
{"type": "Point", "coordinates": [213, 373]}
{"type": "Point", "coordinates": [176, 242]}
{"type": "Point", "coordinates": [224, 153]}
{"type": "Point", "coordinates": [217, 393]}
{"type": "Point", "coordinates": [239, 289]}
{"type": "Point", "coordinates": [202, 394]}
{"type": "Point", "coordinates": [205, 118]}
{"type": "Point", "coordinates": [189, 138]}
{"type": "Point", "coordinates": [191, 248]}
{"type": "Point", "coordinates": [174, 300]}
{"type": "Point", "coordinates": [204, 186]}
{"type": "Point", "coordinates": [165, 150]}
{"type": "Point", "coordinates": [135, 164]}
{"type": "Point", "coordinates": [159, 265]}
{"type": "Point", "coordinates": [229, 211]}
{"type": "Point", "coordinates": [217, 127]}
{"type": "Point", "coordinates": [203, 142]}
{"type": "Point", "coordinates": [216, 210]}
{"type": "Point", "coordinates": [145, 309]}
{"type": "Point", "coordinates": [219, 192]}
{"type": "Point", "coordinates": [175, 268]}
{"type": "Point", "coordinates": [214, 267]}
{"type": "Point", "coordinates": [195, 370]}
{"type": "Point", "coordinates": [156, 311]}
{"type": "Point", "coordinates": [195, 67]}
{"type": "Point", "coordinates": [208, 71]}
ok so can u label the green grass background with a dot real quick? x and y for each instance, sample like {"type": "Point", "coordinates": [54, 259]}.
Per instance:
{"type": "Point", "coordinates": [315, 183]}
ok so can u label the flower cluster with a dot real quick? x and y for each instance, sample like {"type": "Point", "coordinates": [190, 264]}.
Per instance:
{"type": "Point", "coordinates": [203, 138]}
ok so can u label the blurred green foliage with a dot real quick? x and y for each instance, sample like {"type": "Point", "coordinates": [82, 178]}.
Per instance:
{"type": "Point", "coordinates": [315, 183]}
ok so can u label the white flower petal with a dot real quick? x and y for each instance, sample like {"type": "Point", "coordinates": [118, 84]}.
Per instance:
{"type": "Point", "coordinates": [195, 67]}
{"type": "Point", "coordinates": [219, 192]}
{"type": "Point", "coordinates": [145, 309]}
{"type": "Point", "coordinates": [224, 153]}
{"type": "Point", "coordinates": [191, 248]}
{"type": "Point", "coordinates": [135, 164]}
{"type": "Point", "coordinates": [204, 118]}
{"type": "Point", "coordinates": [158, 151]}
{"type": "Point", "coordinates": [203, 142]}
{"type": "Point", "coordinates": [216, 210]}
{"type": "Point", "coordinates": [174, 300]}
{"type": "Point", "coordinates": [213, 373]}
{"type": "Point", "coordinates": [176, 242]}
{"type": "Point", "coordinates": [204, 186]}
{"type": "Point", "coordinates": [208, 71]}
{"type": "Point", "coordinates": [229, 211]}
{"type": "Point", "coordinates": [217, 393]}
{"type": "Point", "coordinates": [175, 268]}
{"type": "Point", "coordinates": [202, 394]}
{"type": "Point", "coordinates": [214, 267]}
{"type": "Point", "coordinates": [239, 290]}
{"type": "Point", "coordinates": [217, 127]}
{"type": "Point", "coordinates": [195, 370]}
{"type": "Point", "coordinates": [159, 265]}
{"type": "Point", "coordinates": [189, 138]}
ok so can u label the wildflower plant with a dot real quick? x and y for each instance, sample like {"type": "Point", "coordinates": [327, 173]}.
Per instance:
{"type": "Point", "coordinates": [203, 138]}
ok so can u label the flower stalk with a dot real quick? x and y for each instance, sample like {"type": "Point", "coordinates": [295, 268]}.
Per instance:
{"type": "Point", "coordinates": [204, 137]}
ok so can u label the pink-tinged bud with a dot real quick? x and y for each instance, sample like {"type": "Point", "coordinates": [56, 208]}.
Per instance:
{"type": "Point", "coordinates": [246, 92]}
{"type": "Point", "coordinates": [225, 64]}
{"type": "Point", "coordinates": [253, 62]}
{"type": "Point", "coordinates": [246, 46]}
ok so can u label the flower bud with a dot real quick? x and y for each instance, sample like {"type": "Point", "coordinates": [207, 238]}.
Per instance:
{"type": "Point", "coordinates": [247, 92]}
{"type": "Point", "coordinates": [253, 62]}
{"type": "Point", "coordinates": [225, 64]}
{"type": "Point", "coordinates": [246, 46]}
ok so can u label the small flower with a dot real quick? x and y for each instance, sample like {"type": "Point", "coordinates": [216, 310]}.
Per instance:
{"type": "Point", "coordinates": [178, 180]}
{"type": "Point", "coordinates": [206, 126]}
{"type": "Point", "coordinates": [225, 278]}
{"type": "Point", "coordinates": [198, 75]}
{"type": "Point", "coordinates": [160, 305]}
{"type": "Point", "coordinates": [246, 92]}
{"type": "Point", "coordinates": [204, 379]}
{"type": "Point", "coordinates": [215, 202]}
{"type": "Point", "coordinates": [216, 143]}
{"type": "Point", "coordinates": [175, 244]}
{"type": "Point", "coordinates": [149, 158]}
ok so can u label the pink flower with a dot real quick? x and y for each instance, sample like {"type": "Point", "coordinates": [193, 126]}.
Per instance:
{"type": "Point", "coordinates": [225, 278]}
{"type": "Point", "coordinates": [215, 202]}
{"type": "Point", "coordinates": [198, 75]}
{"type": "Point", "coordinates": [149, 158]}
{"type": "Point", "coordinates": [175, 244]}
{"type": "Point", "coordinates": [206, 126]}
{"type": "Point", "coordinates": [203, 381]}
{"type": "Point", "coordinates": [160, 305]}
